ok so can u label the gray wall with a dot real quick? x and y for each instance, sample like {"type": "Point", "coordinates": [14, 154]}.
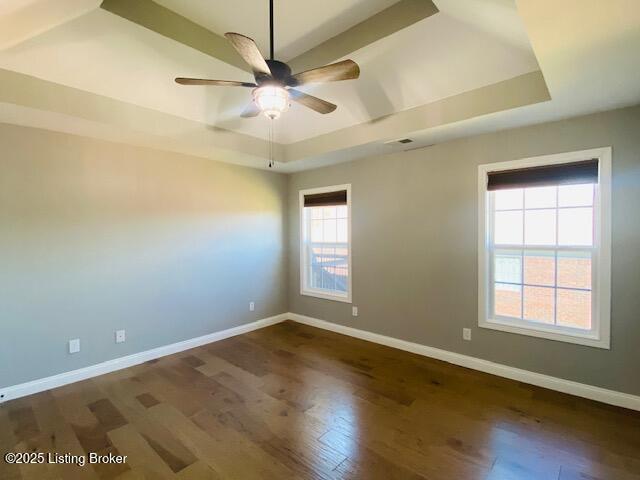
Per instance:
{"type": "Point", "coordinates": [415, 247]}
{"type": "Point", "coordinates": [96, 236]}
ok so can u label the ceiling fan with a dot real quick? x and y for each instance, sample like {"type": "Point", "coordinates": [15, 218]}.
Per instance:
{"type": "Point", "coordinates": [274, 81]}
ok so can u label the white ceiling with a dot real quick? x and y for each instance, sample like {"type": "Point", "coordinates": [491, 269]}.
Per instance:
{"type": "Point", "coordinates": [586, 50]}
{"type": "Point", "coordinates": [315, 21]}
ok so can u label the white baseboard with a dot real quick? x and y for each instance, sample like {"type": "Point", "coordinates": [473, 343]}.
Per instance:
{"type": "Point", "coordinates": [42, 384]}
{"type": "Point", "coordinates": [553, 383]}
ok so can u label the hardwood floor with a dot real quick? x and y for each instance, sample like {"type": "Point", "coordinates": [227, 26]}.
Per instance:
{"type": "Point", "coordinates": [294, 402]}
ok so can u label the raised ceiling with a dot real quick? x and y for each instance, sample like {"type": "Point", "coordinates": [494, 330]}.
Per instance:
{"type": "Point", "coordinates": [315, 22]}
{"type": "Point", "coordinates": [432, 71]}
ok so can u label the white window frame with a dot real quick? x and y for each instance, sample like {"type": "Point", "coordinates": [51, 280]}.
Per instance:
{"type": "Point", "coordinates": [600, 335]}
{"type": "Point", "coordinates": [304, 267]}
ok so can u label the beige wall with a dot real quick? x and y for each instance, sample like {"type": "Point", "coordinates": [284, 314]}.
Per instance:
{"type": "Point", "coordinates": [97, 236]}
{"type": "Point", "coordinates": [415, 247]}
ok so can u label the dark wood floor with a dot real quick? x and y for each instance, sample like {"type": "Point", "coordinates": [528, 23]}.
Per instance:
{"type": "Point", "coordinates": [291, 401]}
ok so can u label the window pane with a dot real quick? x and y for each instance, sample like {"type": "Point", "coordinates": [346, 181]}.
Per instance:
{"type": "Point", "coordinates": [316, 276]}
{"type": "Point", "coordinates": [328, 253]}
{"type": "Point", "coordinates": [539, 268]}
{"type": "Point", "coordinates": [341, 279]}
{"type": "Point", "coordinates": [508, 228]}
{"type": "Point", "coordinates": [316, 231]}
{"type": "Point", "coordinates": [574, 308]}
{"type": "Point", "coordinates": [540, 227]}
{"type": "Point", "coordinates": [328, 262]}
{"type": "Point", "coordinates": [342, 269]}
{"type": "Point", "coordinates": [342, 253]}
{"type": "Point", "coordinates": [507, 267]}
{"type": "Point", "coordinates": [316, 212]}
{"type": "Point", "coordinates": [540, 197]}
{"type": "Point", "coordinates": [315, 256]}
{"type": "Point", "coordinates": [507, 199]}
{"type": "Point", "coordinates": [574, 269]}
{"type": "Point", "coordinates": [575, 226]}
{"type": "Point", "coordinates": [507, 300]}
{"type": "Point", "coordinates": [575, 195]}
{"type": "Point", "coordinates": [328, 279]}
{"type": "Point", "coordinates": [342, 230]}
{"type": "Point", "coordinates": [538, 304]}
{"type": "Point", "coordinates": [342, 211]}
{"type": "Point", "coordinates": [329, 212]}
{"type": "Point", "coordinates": [330, 231]}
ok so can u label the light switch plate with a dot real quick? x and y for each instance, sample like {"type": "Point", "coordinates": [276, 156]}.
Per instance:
{"type": "Point", "coordinates": [354, 311]}
{"type": "Point", "coordinates": [120, 336]}
{"type": "Point", "coordinates": [252, 306]}
{"type": "Point", "coordinates": [466, 334]}
{"type": "Point", "coordinates": [74, 345]}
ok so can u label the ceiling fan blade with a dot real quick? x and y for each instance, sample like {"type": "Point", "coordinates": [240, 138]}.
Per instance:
{"type": "Point", "coordinates": [220, 83]}
{"type": "Point", "coordinates": [314, 103]}
{"type": "Point", "coordinates": [250, 110]}
{"type": "Point", "coordinates": [248, 50]}
{"type": "Point", "coordinates": [344, 70]}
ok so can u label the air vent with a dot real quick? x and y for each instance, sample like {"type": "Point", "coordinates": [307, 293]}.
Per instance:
{"type": "Point", "coordinates": [401, 141]}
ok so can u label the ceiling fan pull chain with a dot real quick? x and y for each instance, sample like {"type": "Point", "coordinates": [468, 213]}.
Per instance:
{"type": "Point", "coordinates": [271, 162]}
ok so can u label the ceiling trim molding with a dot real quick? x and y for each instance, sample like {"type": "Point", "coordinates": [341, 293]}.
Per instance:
{"type": "Point", "coordinates": [519, 91]}
{"type": "Point", "coordinates": [163, 21]}
{"type": "Point", "coordinates": [390, 20]}
{"type": "Point", "coordinates": [52, 106]}
{"type": "Point", "coordinates": [49, 105]}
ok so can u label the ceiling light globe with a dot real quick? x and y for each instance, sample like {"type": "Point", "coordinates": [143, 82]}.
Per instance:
{"type": "Point", "coordinates": [272, 100]}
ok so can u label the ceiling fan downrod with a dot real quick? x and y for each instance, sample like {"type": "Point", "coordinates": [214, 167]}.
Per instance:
{"type": "Point", "coordinates": [271, 47]}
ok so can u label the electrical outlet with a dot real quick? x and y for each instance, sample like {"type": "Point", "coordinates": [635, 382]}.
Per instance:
{"type": "Point", "coordinates": [120, 336]}
{"type": "Point", "coordinates": [354, 311]}
{"type": "Point", "coordinates": [252, 306]}
{"type": "Point", "coordinates": [466, 334]}
{"type": "Point", "coordinates": [74, 345]}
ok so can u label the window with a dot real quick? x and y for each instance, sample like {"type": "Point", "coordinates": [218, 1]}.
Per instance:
{"type": "Point", "coordinates": [325, 242]}
{"type": "Point", "coordinates": [544, 247]}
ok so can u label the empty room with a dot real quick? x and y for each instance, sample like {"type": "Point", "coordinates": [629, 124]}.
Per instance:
{"type": "Point", "coordinates": [348, 239]}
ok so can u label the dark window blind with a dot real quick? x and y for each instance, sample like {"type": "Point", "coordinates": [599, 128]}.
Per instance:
{"type": "Point", "coordinates": [326, 199]}
{"type": "Point", "coordinates": [546, 175]}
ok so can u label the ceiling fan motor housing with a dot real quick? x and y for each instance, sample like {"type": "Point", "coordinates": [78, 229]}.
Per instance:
{"type": "Point", "coordinates": [280, 74]}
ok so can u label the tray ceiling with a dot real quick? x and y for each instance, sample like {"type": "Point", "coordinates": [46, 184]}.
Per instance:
{"type": "Point", "coordinates": [424, 70]}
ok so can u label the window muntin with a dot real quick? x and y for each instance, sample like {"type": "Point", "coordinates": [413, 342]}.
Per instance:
{"type": "Point", "coordinates": [544, 259]}
{"type": "Point", "coordinates": [325, 246]}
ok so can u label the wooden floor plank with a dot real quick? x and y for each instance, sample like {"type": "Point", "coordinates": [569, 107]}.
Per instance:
{"type": "Point", "coordinates": [140, 455]}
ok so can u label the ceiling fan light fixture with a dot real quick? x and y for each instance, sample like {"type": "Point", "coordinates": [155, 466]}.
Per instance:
{"type": "Point", "coordinates": [272, 100]}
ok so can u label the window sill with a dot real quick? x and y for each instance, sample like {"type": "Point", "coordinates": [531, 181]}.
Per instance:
{"type": "Point", "coordinates": [326, 296]}
{"type": "Point", "coordinates": [579, 339]}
